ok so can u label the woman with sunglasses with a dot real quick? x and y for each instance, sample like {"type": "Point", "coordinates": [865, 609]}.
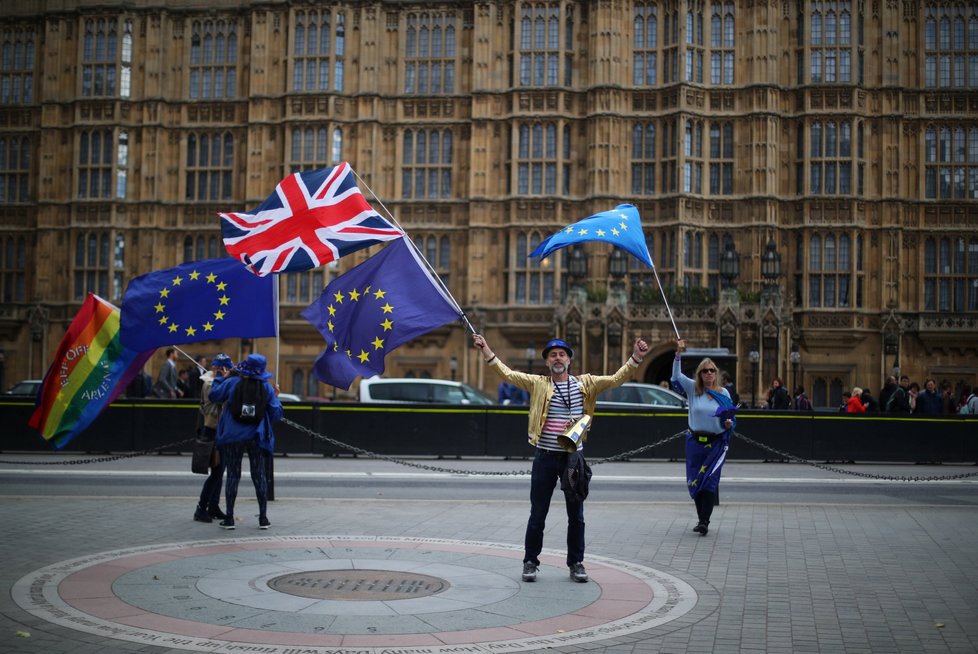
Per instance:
{"type": "Point", "coordinates": [711, 421]}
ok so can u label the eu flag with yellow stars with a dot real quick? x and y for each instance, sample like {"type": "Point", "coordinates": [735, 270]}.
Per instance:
{"type": "Point", "coordinates": [198, 301]}
{"type": "Point", "coordinates": [621, 226]}
{"type": "Point", "coordinates": [368, 311]}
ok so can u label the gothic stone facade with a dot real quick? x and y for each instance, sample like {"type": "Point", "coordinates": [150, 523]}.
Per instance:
{"type": "Point", "coordinates": [832, 145]}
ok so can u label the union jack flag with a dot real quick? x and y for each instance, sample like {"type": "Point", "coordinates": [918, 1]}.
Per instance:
{"type": "Point", "coordinates": [312, 218]}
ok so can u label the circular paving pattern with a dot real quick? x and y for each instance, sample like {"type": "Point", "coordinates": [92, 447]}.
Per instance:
{"type": "Point", "coordinates": [350, 593]}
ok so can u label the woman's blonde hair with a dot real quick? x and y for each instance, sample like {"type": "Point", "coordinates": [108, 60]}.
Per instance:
{"type": "Point", "coordinates": [707, 363]}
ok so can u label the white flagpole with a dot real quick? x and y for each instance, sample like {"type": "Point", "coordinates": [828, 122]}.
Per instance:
{"type": "Point", "coordinates": [664, 299]}
{"type": "Point", "coordinates": [420, 254]}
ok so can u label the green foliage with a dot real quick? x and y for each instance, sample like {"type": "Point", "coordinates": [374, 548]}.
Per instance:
{"type": "Point", "coordinates": [596, 294]}
{"type": "Point", "coordinates": [648, 294]}
{"type": "Point", "coordinates": [748, 297]}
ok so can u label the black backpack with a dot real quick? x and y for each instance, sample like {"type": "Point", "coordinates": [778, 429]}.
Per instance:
{"type": "Point", "coordinates": [248, 401]}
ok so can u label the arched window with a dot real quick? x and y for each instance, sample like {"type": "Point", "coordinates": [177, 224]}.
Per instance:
{"type": "Point", "coordinates": [99, 265]}
{"type": "Point", "coordinates": [213, 59]}
{"type": "Point", "coordinates": [542, 53]}
{"type": "Point", "coordinates": [532, 280]}
{"type": "Point", "coordinates": [13, 269]}
{"type": "Point", "coordinates": [429, 63]}
{"type": "Point", "coordinates": [537, 162]}
{"type": "Point", "coordinates": [951, 274]}
{"type": "Point", "coordinates": [210, 160]}
{"type": "Point", "coordinates": [426, 170]}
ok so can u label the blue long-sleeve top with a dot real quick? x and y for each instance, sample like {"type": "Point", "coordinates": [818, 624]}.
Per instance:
{"type": "Point", "coordinates": [229, 430]}
{"type": "Point", "coordinates": [701, 407]}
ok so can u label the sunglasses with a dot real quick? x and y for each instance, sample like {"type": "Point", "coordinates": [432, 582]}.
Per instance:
{"type": "Point", "coordinates": [712, 371]}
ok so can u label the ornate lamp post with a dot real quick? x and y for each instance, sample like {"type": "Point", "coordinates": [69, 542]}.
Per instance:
{"type": "Point", "coordinates": [577, 266]}
{"type": "Point", "coordinates": [754, 358]}
{"type": "Point", "coordinates": [771, 263]}
{"type": "Point", "coordinates": [729, 266]}
{"type": "Point", "coordinates": [453, 366]}
{"type": "Point", "coordinates": [531, 354]}
{"type": "Point", "coordinates": [617, 268]}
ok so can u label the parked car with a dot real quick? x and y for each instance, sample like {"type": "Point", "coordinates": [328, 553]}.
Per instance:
{"type": "Point", "coordinates": [638, 394]}
{"type": "Point", "coordinates": [420, 391]}
{"type": "Point", "coordinates": [25, 388]}
{"type": "Point", "coordinates": [289, 397]}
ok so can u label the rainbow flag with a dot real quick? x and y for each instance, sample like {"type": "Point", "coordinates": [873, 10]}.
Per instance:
{"type": "Point", "coordinates": [90, 369]}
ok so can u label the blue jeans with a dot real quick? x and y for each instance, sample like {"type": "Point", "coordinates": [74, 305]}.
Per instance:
{"type": "Point", "coordinates": [548, 467]}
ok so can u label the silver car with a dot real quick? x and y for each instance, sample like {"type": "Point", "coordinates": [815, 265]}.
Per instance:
{"type": "Point", "coordinates": [636, 394]}
{"type": "Point", "coordinates": [25, 388]}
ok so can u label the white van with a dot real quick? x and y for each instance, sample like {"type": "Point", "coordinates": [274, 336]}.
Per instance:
{"type": "Point", "coordinates": [420, 391]}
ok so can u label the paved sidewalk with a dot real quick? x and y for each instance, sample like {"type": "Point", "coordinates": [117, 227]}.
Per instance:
{"type": "Point", "coordinates": [96, 563]}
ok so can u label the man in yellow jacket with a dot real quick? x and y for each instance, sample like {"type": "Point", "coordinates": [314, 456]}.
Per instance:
{"type": "Point", "coordinates": [557, 401]}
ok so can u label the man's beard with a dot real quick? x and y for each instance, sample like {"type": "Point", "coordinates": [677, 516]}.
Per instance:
{"type": "Point", "coordinates": [558, 368]}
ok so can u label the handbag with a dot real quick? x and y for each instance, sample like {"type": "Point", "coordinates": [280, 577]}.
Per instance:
{"type": "Point", "coordinates": [203, 455]}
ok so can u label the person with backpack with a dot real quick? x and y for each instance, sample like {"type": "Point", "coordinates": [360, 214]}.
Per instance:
{"type": "Point", "coordinates": [208, 508]}
{"type": "Point", "coordinates": [899, 401]}
{"type": "Point", "coordinates": [251, 405]}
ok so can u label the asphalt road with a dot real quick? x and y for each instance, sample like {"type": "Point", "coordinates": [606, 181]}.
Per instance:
{"type": "Point", "coordinates": [314, 477]}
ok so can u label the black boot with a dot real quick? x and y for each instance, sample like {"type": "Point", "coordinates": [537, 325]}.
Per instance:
{"type": "Point", "coordinates": [200, 515]}
{"type": "Point", "coordinates": [214, 511]}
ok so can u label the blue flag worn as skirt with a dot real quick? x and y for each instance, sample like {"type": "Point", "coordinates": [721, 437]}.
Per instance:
{"type": "Point", "coordinates": [704, 461]}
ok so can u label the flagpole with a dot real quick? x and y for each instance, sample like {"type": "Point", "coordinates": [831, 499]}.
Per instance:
{"type": "Point", "coordinates": [664, 299]}
{"type": "Point", "coordinates": [192, 360]}
{"type": "Point", "coordinates": [420, 254]}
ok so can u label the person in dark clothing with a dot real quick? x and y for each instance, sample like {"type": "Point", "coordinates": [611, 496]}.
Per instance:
{"type": "Point", "coordinates": [140, 386]}
{"type": "Point", "coordinates": [235, 437]}
{"type": "Point", "coordinates": [899, 401]}
{"type": "Point", "coordinates": [872, 406]}
{"type": "Point", "coordinates": [802, 403]}
{"type": "Point", "coordinates": [183, 383]}
{"type": "Point", "coordinates": [777, 397]}
{"type": "Point", "coordinates": [929, 401]}
{"type": "Point", "coordinates": [887, 391]}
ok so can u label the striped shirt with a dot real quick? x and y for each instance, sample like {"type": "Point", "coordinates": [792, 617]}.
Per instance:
{"type": "Point", "coordinates": [566, 405]}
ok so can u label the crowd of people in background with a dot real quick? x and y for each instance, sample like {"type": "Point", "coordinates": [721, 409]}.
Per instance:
{"type": "Point", "coordinates": [171, 383]}
{"type": "Point", "coordinates": [901, 396]}
{"type": "Point", "coordinates": [898, 395]}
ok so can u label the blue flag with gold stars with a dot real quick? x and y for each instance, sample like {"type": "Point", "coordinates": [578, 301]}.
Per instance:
{"type": "Point", "coordinates": [368, 311]}
{"type": "Point", "coordinates": [198, 301]}
{"type": "Point", "coordinates": [621, 226]}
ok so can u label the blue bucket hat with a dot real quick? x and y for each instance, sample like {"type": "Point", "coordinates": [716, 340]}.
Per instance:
{"type": "Point", "coordinates": [222, 361]}
{"type": "Point", "coordinates": [253, 366]}
{"type": "Point", "coordinates": [558, 343]}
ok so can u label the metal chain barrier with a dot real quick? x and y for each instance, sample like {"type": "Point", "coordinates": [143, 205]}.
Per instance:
{"type": "Point", "coordinates": [854, 473]}
{"type": "Point", "coordinates": [623, 456]}
{"type": "Point", "coordinates": [101, 459]}
{"type": "Point", "coordinates": [458, 471]}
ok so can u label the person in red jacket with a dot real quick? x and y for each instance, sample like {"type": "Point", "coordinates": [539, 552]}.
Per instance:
{"type": "Point", "coordinates": [855, 402]}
